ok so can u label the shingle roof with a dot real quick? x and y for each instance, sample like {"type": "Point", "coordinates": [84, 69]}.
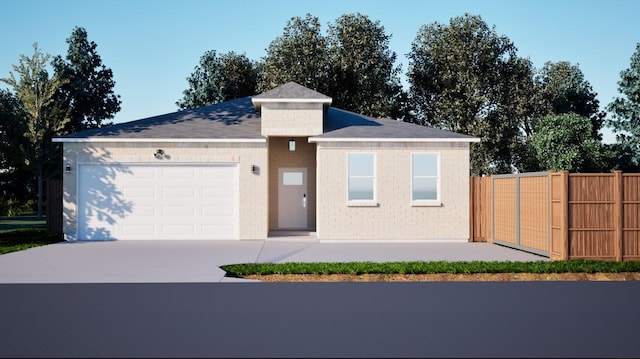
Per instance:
{"type": "Point", "coordinates": [230, 119]}
{"type": "Point", "coordinates": [292, 90]}
{"type": "Point", "coordinates": [344, 124]}
{"type": "Point", "coordinates": [239, 120]}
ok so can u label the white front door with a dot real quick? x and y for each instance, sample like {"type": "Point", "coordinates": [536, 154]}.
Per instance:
{"type": "Point", "coordinates": [292, 198]}
{"type": "Point", "coordinates": [149, 201]}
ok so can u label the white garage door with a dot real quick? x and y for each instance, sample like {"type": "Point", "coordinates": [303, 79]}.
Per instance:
{"type": "Point", "coordinates": [170, 201]}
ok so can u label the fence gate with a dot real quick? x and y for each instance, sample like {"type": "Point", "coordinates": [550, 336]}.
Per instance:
{"type": "Point", "coordinates": [520, 213]}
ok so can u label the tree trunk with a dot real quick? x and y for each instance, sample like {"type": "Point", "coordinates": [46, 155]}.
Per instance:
{"type": "Point", "coordinates": [39, 191]}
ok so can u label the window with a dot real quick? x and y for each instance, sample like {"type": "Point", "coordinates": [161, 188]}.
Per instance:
{"type": "Point", "coordinates": [425, 177]}
{"type": "Point", "coordinates": [361, 177]}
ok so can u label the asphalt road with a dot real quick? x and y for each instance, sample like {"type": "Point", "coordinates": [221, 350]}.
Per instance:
{"type": "Point", "coordinates": [416, 319]}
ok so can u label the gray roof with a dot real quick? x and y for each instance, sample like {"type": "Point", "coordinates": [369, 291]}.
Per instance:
{"type": "Point", "coordinates": [230, 119]}
{"type": "Point", "coordinates": [238, 119]}
{"type": "Point", "coordinates": [292, 90]}
{"type": "Point", "coordinates": [344, 124]}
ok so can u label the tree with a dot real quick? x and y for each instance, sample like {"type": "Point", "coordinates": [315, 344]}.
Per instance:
{"type": "Point", "coordinates": [240, 75]}
{"type": "Point", "coordinates": [36, 92]}
{"type": "Point", "coordinates": [363, 76]}
{"type": "Point", "coordinates": [563, 89]}
{"type": "Point", "coordinates": [219, 78]}
{"type": "Point", "coordinates": [565, 142]}
{"type": "Point", "coordinates": [88, 89]}
{"type": "Point", "coordinates": [461, 79]}
{"type": "Point", "coordinates": [626, 113]}
{"type": "Point", "coordinates": [300, 54]}
{"type": "Point", "coordinates": [15, 178]}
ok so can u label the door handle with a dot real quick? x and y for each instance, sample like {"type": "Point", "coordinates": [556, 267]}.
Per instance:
{"type": "Point", "coordinates": [304, 200]}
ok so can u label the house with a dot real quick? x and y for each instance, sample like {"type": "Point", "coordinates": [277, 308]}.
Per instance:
{"type": "Point", "coordinates": [282, 160]}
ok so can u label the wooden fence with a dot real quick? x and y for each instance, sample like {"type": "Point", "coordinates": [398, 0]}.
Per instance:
{"type": "Point", "coordinates": [559, 214]}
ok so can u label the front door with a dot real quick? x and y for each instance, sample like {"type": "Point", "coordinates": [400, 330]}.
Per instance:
{"type": "Point", "coordinates": [292, 198]}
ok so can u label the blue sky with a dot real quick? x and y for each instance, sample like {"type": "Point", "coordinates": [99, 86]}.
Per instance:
{"type": "Point", "coordinates": [153, 45]}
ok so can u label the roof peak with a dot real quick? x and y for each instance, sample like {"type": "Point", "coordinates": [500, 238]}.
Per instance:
{"type": "Point", "coordinates": [291, 91]}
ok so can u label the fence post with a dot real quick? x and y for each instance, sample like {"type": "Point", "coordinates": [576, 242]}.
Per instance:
{"type": "Point", "coordinates": [472, 211]}
{"type": "Point", "coordinates": [618, 217]}
{"type": "Point", "coordinates": [487, 186]}
{"type": "Point", "coordinates": [565, 214]}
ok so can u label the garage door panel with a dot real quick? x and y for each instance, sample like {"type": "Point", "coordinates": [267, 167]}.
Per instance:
{"type": "Point", "coordinates": [142, 191]}
{"type": "Point", "coordinates": [178, 230]}
{"type": "Point", "coordinates": [137, 229]}
{"type": "Point", "coordinates": [178, 173]}
{"type": "Point", "coordinates": [176, 212]}
{"type": "Point", "coordinates": [182, 192]}
{"type": "Point", "coordinates": [145, 211]}
{"type": "Point", "coordinates": [142, 201]}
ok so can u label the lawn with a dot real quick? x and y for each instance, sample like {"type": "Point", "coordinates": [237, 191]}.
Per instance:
{"type": "Point", "coordinates": [25, 221]}
{"type": "Point", "coordinates": [22, 232]}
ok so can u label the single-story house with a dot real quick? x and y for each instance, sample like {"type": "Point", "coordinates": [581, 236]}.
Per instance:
{"type": "Point", "coordinates": [281, 160]}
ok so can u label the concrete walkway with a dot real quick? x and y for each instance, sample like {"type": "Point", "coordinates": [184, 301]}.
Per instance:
{"type": "Point", "coordinates": [198, 261]}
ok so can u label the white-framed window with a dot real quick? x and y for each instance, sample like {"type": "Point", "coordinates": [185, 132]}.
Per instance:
{"type": "Point", "coordinates": [361, 178]}
{"type": "Point", "coordinates": [425, 178]}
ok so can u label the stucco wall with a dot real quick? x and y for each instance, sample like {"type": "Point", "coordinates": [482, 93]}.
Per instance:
{"type": "Point", "coordinates": [291, 119]}
{"type": "Point", "coordinates": [253, 221]}
{"type": "Point", "coordinates": [394, 217]}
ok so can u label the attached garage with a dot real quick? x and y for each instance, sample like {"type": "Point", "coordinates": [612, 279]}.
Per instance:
{"type": "Point", "coordinates": [157, 201]}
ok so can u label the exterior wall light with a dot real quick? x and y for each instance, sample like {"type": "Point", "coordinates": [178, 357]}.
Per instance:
{"type": "Point", "coordinates": [67, 168]}
{"type": "Point", "coordinates": [292, 145]}
{"type": "Point", "coordinates": [159, 154]}
{"type": "Point", "coordinates": [255, 169]}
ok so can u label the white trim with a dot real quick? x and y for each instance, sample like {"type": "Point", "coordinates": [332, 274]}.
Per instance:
{"type": "Point", "coordinates": [180, 140]}
{"type": "Point", "coordinates": [427, 202]}
{"type": "Point", "coordinates": [424, 203]}
{"type": "Point", "coordinates": [363, 202]}
{"type": "Point", "coordinates": [371, 139]}
{"type": "Point", "coordinates": [256, 101]}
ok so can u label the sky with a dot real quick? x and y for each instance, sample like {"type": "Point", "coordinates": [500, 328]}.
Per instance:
{"type": "Point", "coordinates": [152, 46]}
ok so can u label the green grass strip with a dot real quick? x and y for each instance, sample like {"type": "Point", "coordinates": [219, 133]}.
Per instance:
{"type": "Point", "coordinates": [419, 267]}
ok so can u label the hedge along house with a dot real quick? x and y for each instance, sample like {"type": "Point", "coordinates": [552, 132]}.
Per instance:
{"type": "Point", "coordinates": [281, 160]}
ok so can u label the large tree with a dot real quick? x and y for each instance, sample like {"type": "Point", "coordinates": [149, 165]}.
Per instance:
{"type": "Point", "coordinates": [626, 114]}
{"type": "Point", "coordinates": [562, 88]}
{"type": "Point", "coordinates": [219, 78]}
{"type": "Point", "coordinates": [300, 54]}
{"type": "Point", "coordinates": [88, 91]}
{"type": "Point", "coordinates": [364, 77]}
{"type": "Point", "coordinates": [15, 178]}
{"type": "Point", "coordinates": [565, 142]}
{"type": "Point", "coordinates": [36, 90]}
{"type": "Point", "coordinates": [461, 78]}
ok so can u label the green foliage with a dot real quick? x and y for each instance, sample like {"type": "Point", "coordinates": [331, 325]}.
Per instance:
{"type": "Point", "coordinates": [36, 91]}
{"type": "Point", "coordinates": [363, 76]}
{"type": "Point", "coordinates": [87, 92]}
{"type": "Point", "coordinates": [626, 114]}
{"type": "Point", "coordinates": [463, 78]}
{"type": "Point", "coordinates": [419, 267]}
{"type": "Point", "coordinates": [219, 78]}
{"type": "Point", "coordinates": [562, 88]}
{"type": "Point", "coordinates": [565, 142]}
{"type": "Point", "coordinates": [300, 55]}
{"type": "Point", "coordinates": [14, 173]}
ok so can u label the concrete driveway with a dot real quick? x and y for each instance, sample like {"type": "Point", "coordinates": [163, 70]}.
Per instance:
{"type": "Point", "coordinates": [149, 261]}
